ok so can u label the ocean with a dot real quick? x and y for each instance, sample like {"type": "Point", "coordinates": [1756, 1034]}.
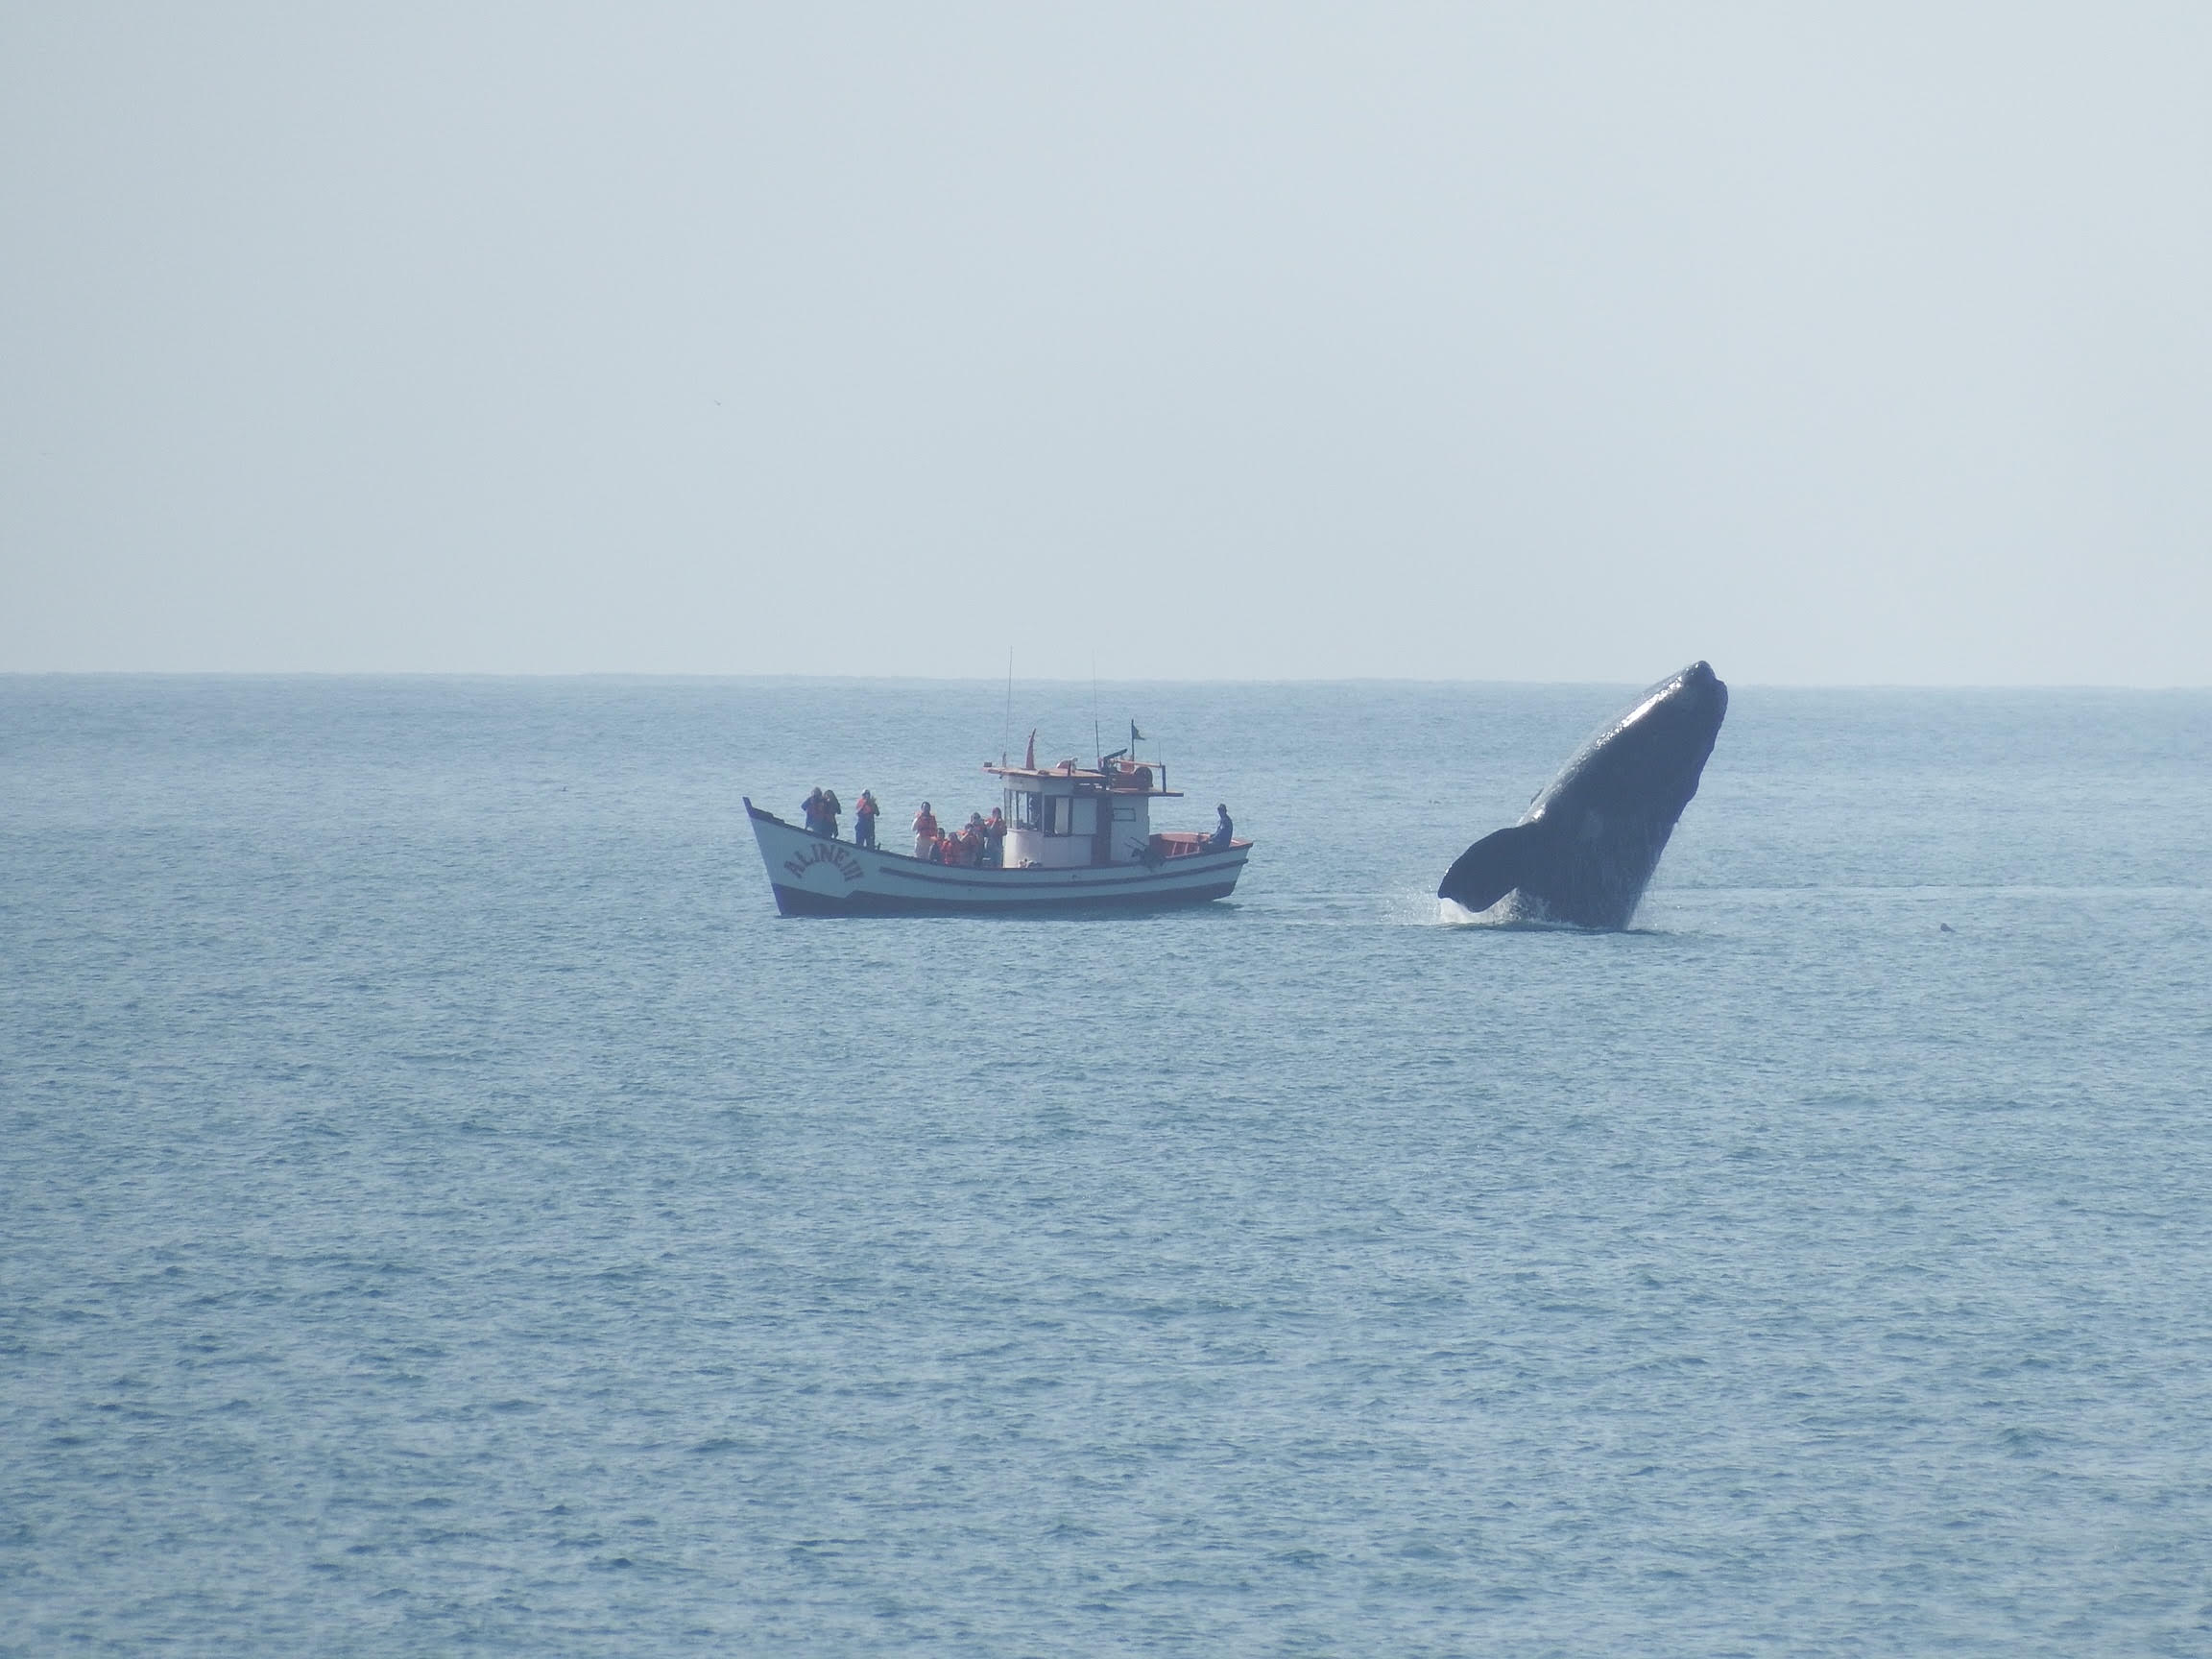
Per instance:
{"type": "Point", "coordinates": [443, 1208]}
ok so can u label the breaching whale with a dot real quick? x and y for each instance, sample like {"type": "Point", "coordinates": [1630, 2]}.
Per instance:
{"type": "Point", "coordinates": [1590, 840]}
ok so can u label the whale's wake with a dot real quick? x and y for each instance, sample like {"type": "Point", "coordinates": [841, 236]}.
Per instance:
{"type": "Point", "coordinates": [1505, 917]}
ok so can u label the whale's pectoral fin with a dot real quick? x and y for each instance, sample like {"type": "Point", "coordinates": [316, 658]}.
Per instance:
{"type": "Point", "coordinates": [1490, 869]}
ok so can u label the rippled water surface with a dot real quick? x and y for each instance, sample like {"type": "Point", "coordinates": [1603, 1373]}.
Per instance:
{"type": "Point", "coordinates": [443, 1207]}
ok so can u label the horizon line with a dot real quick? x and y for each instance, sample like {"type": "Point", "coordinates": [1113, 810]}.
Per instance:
{"type": "Point", "coordinates": [717, 676]}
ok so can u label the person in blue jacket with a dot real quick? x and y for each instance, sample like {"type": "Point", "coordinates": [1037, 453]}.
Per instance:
{"type": "Point", "coordinates": [1219, 839]}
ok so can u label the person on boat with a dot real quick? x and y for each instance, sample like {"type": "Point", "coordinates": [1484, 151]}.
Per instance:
{"type": "Point", "coordinates": [995, 839]}
{"type": "Point", "coordinates": [924, 831]}
{"type": "Point", "coordinates": [1219, 841]}
{"type": "Point", "coordinates": [864, 820]}
{"type": "Point", "coordinates": [831, 809]}
{"type": "Point", "coordinates": [972, 841]}
{"type": "Point", "coordinates": [812, 807]}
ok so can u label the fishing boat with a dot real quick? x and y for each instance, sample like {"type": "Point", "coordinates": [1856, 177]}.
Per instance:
{"type": "Point", "coordinates": [1077, 838]}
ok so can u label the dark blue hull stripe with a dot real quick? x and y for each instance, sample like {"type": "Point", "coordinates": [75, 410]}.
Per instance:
{"type": "Point", "coordinates": [798, 901]}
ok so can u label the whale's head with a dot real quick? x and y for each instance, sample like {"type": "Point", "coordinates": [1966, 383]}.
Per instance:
{"type": "Point", "coordinates": [1650, 758]}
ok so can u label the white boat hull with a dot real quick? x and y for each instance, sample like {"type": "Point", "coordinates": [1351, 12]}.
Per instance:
{"type": "Point", "coordinates": [813, 876]}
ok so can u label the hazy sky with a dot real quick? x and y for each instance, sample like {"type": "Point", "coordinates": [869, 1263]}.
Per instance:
{"type": "Point", "coordinates": [1859, 342]}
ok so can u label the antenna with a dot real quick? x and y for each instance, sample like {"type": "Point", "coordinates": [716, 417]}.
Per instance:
{"type": "Point", "coordinates": [1006, 732]}
{"type": "Point", "coordinates": [1098, 743]}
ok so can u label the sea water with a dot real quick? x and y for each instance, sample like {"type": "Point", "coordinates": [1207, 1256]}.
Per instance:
{"type": "Point", "coordinates": [444, 1208]}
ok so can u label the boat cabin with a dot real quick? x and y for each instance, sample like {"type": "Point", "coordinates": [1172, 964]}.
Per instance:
{"type": "Point", "coordinates": [1069, 817]}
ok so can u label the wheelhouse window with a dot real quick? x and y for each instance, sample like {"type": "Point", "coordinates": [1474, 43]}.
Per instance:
{"type": "Point", "coordinates": [1052, 814]}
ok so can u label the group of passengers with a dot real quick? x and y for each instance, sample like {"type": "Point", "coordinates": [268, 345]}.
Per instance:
{"type": "Point", "coordinates": [823, 809]}
{"type": "Point", "coordinates": [980, 844]}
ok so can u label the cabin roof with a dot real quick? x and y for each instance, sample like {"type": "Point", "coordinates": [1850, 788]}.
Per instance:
{"type": "Point", "coordinates": [1119, 782]}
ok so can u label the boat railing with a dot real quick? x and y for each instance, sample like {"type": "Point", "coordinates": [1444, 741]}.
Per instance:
{"type": "Point", "coordinates": [1163, 843]}
{"type": "Point", "coordinates": [1181, 844]}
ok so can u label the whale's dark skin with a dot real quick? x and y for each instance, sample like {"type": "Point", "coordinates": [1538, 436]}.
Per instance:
{"type": "Point", "coordinates": [1589, 842]}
